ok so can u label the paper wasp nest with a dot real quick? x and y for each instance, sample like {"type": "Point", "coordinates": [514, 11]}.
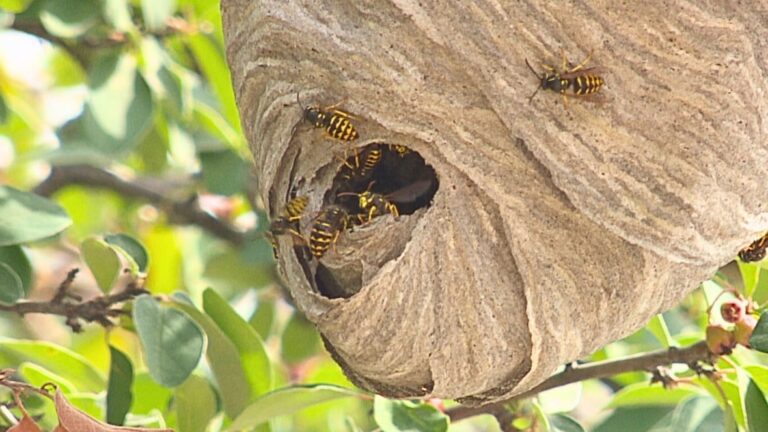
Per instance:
{"type": "Point", "coordinates": [553, 231]}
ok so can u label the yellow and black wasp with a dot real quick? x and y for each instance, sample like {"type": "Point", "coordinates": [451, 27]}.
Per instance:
{"type": "Point", "coordinates": [350, 173]}
{"type": "Point", "coordinates": [372, 204]}
{"type": "Point", "coordinates": [288, 221]}
{"type": "Point", "coordinates": [755, 251]}
{"type": "Point", "coordinates": [400, 149]}
{"type": "Point", "coordinates": [337, 123]}
{"type": "Point", "coordinates": [326, 228]}
{"type": "Point", "coordinates": [581, 81]}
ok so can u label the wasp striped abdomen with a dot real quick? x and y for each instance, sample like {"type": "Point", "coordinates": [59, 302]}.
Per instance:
{"type": "Point", "coordinates": [587, 84]}
{"type": "Point", "coordinates": [326, 228]}
{"type": "Point", "coordinates": [337, 123]}
{"type": "Point", "coordinates": [372, 158]}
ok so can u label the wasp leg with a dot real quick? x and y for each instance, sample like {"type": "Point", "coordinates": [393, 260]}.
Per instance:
{"type": "Point", "coordinates": [583, 62]}
{"type": "Point", "coordinates": [297, 236]}
{"type": "Point", "coordinates": [565, 100]}
{"type": "Point", "coordinates": [344, 161]}
{"type": "Point", "coordinates": [333, 242]}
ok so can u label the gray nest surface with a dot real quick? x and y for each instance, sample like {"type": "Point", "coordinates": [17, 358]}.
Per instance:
{"type": "Point", "coordinates": [553, 231]}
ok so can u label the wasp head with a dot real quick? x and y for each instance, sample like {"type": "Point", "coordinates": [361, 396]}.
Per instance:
{"type": "Point", "coordinates": [365, 199]}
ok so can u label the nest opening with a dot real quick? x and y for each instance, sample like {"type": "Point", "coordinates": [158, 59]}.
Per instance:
{"type": "Point", "coordinates": [393, 172]}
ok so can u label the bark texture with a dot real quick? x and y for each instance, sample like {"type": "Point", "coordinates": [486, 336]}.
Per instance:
{"type": "Point", "coordinates": [553, 231]}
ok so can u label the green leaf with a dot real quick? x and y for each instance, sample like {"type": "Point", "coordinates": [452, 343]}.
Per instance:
{"type": "Point", "coordinates": [224, 172]}
{"type": "Point", "coordinates": [16, 259]}
{"type": "Point", "coordinates": [287, 401]}
{"type": "Point", "coordinates": [564, 423]}
{"type": "Point", "coordinates": [3, 110]}
{"type": "Point", "coordinates": [119, 108]}
{"type": "Point", "coordinates": [56, 359]}
{"type": "Point", "coordinates": [658, 327]}
{"type": "Point", "coordinates": [195, 404]}
{"type": "Point", "coordinates": [641, 394]}
{"type": "Point", "coordinates": [211, 59]}
{"type": "Point", "coordinates": [263, 317]}
{"type": "Point", "coordinates": [153, 396]}
{"type": "Point", "coordinates": [118, 14]}
{"type": "Point", "coordinates": [156, 12]}
{"type": "Point", "coordinates": [697, 414]}
{"type": "Point", "coordinates": [750, 275]}
{"type": "Point", "coordinates": [759, 338]}
{"type": "Point", "coordinates": [173, 343]}
{"type": "Point", "coordinates": [26, 217]}
{"type": "Point", "coordinates": [103, 262]}
{"type": "Point", "coordinates": [211, 120]}
{"type": "Point", "coordinates": [399, 415]}
{"type": "Point", "coordinates": [224, 359]}
{"type": "Point", "coordinates": [634, 419]}
{"type": "Point", "coordinates": [119, 395]}
{"type": "Point", "coordinates": [37, 376]}
{"type": "Point", "coordinates": [69, 19]}
{"type": "Point", "coordinates": [759, 374]}
{"type": "Point", "coordinates": [131, 248]}
{"type": "Point", "coordinates": [300, 340]}
{"type": "Point", "coordinates": [253, 356]}
{"type": "Point", "coordinates": [11, 287]}
{"type": "Point", "coordinates": [14, 6]}
{"type": "Point", "coordinates": [756, 407]}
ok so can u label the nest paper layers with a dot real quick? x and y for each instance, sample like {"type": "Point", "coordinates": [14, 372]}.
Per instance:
{"type": "Point", "coordinates": [554, 231]}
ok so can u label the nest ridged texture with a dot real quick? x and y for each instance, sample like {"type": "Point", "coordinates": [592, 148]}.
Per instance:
{"type": "Point", "coordinates": [554, 231]}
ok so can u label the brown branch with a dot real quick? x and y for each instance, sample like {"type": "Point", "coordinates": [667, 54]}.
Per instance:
{"type": "Point", "coordinates": [80, 47]}
{"type": "Point", "coordinates": [185, 212]}
{"type": "Point", "coordinates": [640, 362]}
{"type": "Point", "coordinates": [99, 309]}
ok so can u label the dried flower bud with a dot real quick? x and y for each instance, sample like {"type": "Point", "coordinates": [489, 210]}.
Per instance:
{"type": "Point", "coordinates": [743, 330]}
{"type": "Point", "coordinates": [732, 311]}
{"type": "Point", "coordinates": [719, 340]}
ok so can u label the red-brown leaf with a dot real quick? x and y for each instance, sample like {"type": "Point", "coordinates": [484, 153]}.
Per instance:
{"type": "Point", "coordinates": [26, 425]}
{"type": "Point", "coordinates": [72, 419]}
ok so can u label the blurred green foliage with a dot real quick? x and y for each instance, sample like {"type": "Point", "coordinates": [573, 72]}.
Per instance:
{"type": "Point", "coordinates": [141, 88]}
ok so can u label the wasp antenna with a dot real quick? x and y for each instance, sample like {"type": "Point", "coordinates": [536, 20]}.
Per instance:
{"type": "Point", "coordinates": [530, 98]}
{"type": "Point", "coordinates": [532, 70]}
{"type": "Point", "coordinates": [299, 100]}
{"type": "Point", "coordinates": [347, 194]}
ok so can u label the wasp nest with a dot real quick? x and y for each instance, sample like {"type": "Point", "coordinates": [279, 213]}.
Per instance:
{"type": "Point", "coordinates": [550, 231]}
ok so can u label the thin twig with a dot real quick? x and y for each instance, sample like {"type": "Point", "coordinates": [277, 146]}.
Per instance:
{"type": "Point", "coordinates": [62, 291]}
{"type": "Point", "coordinates": [182, 212]}
{"type": "Point", "coordinates": [99, 309]}
{"type": "Point", "coordinates": [641, 362]}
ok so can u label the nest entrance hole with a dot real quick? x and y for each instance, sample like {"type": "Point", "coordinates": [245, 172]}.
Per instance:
{"type": "Point", "coordinates": [395, 172]}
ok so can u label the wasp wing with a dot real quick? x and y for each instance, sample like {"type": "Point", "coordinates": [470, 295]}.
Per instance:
{"type": "Point", "coordinates": [412, 192]}
{"type": "Point", "coordinates": [583, 72]}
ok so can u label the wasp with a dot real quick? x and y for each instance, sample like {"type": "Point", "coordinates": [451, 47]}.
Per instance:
{"type": "Point", "coordinates": [326, 228]}
{"type": "Point", "coordinates": [288, 221]}
{"type": "Point", "coordinates": [373, 204]}
{"type": "Point", "coordinates": [755, 251]}
{"type": "Point", "coordinates": [371, 156]}
{"type": "Point", "coordinates": [337, 123]}
{"type": "Point", "coordinates": [401, 150]}
{"type": "Point", "coordinates": [581, 81]}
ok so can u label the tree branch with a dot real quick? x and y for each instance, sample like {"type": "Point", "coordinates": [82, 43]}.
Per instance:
{"type": "Point", "coordinates": [99, 309]}
{"type": "Point", "coordinates": [185, 212]}
{"type": "Point", "coordinates": [640, 362]}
